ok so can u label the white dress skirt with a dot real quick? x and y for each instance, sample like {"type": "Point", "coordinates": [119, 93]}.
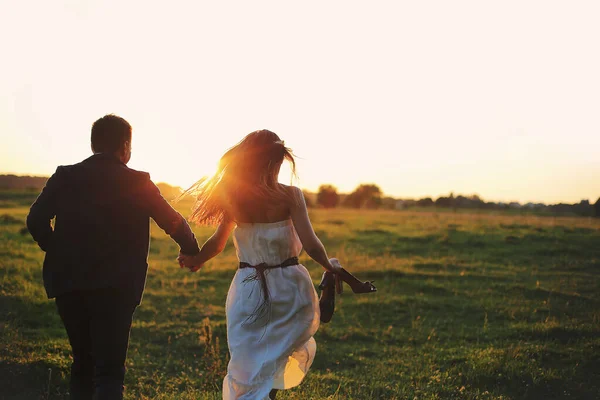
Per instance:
{"type": "Point", "coordinates": [271, 344]}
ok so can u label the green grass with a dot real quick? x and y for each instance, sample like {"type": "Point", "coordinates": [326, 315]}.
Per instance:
{"type": "Point", "coordinates": [469, 306]}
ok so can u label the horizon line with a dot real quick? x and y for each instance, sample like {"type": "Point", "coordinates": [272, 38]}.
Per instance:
{"type": "Point", "coordinates": [591, 201]}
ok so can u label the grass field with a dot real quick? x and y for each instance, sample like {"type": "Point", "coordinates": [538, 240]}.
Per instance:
{"type": "Point", "coordinates": [470, 306]}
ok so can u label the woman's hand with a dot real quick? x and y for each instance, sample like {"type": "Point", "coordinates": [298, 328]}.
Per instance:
{"type": "Point", "coordinates": [335, 263]}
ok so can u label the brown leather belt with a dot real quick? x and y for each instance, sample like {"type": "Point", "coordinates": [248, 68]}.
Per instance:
{"type": "Point", "coordinates": [259, 275]}
{"type": "Point", "coordinates": [289, 262]}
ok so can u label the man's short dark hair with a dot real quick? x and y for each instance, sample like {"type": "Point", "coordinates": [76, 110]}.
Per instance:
{"type": "Point", "coordinates": [109, 133]}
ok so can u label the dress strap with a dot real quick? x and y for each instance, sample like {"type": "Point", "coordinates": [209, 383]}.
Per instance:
{"type": "Point", "coordinates": [259, 275]}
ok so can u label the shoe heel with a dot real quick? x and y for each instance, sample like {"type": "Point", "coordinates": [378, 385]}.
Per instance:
{"type": "Point", "coordinates": [325, 280]}
{"type": "Point", "coordinates": [327, 298]}
{"type": "Point", "coordinates": [355, 284]}
{"type": "Point", "coordinates": [339, 285]}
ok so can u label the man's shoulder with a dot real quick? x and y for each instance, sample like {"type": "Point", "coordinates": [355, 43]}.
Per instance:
{"type": "Point", "coordinates": [62, 170]}
{"type": "Point", "coordinates": [104, 172]}
{"type": "Point", "coordinates": [141, 175]}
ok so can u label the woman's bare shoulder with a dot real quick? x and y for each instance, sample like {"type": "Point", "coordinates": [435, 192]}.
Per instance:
{"type": "Point", "coordinates": [294, 192]}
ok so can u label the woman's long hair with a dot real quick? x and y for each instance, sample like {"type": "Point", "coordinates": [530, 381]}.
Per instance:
{"type": "Point", "coordinates": [246, 177]}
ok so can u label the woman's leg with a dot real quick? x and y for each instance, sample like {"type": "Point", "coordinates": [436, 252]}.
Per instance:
{"type": "Point", "coordinates": [273, 394]}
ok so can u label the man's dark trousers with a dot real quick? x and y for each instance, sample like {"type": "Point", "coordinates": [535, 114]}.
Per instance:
{"type": "Point", "coordinates": [98, 324]}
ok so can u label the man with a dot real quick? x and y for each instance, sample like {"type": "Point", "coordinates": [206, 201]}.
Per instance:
{"type": "Point", "coordinates": [96, 254]}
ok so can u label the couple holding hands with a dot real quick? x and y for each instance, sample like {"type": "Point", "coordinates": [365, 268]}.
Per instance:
{"type": "Point", "coordinates": [96, 260]}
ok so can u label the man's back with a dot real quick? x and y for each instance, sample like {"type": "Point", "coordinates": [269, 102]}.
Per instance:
{"type": "Point", "coordinates": [101, 234]}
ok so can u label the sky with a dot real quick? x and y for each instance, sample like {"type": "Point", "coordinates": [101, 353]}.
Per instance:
{"type": "Point", "coordinates": [422, 98]}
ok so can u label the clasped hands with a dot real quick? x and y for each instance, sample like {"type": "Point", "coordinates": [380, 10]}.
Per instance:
{"type": "Point", "coordinates": [188, 262]}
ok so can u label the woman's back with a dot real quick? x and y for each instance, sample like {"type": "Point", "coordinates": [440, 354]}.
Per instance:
{"type": "Point", "coordinates": [260, 210]}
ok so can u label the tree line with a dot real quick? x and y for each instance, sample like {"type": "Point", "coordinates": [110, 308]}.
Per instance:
{"type": "Point", "coordinates": [370, 196]}
{"type": "Point", "coordinates": [365, 196]}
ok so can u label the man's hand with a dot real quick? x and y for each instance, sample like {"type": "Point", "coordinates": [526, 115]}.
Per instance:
{"type": "Point", "coordinates": [189, 262]}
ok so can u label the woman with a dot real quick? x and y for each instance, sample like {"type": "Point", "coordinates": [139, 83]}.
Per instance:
{"type": "Point", "coordinates": [272, 307]}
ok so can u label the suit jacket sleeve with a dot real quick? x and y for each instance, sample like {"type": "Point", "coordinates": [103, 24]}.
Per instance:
{"type": "Point", "coordinates": [170, 220]}
{"type": "Point", "coordinates": [42, 211]}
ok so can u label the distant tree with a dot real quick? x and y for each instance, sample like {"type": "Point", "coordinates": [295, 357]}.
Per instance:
{"type": "Point", "coordinates": [597, 208]}
{"type": "Point", "coordinates": [389, 203]}
{"type": "Point", "coordinates": [584, 208]}
{"type": "Point", "coordinates": [408, 203]}
{"type": "Point", "coordinates": [364, 196]}
{"type": "Point", "coordinates": [426, 202]}
{"type": "Point", "coordinates": [446, 201]}
{"type": "Point", "coordinates": [327, 196]}
{"type": "Point", "coordinates": [472, 201]}
{"type": "Point", "coordinates": [461, 201]}
{"type": "Point", "coordinates": [476, 201]}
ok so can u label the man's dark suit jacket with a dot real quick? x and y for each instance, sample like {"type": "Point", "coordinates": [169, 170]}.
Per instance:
{"type": "Point", "coordinates": [101, 234]}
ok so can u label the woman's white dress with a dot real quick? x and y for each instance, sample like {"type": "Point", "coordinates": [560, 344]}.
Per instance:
{"type": "Point", "coordinates": [276, 350]}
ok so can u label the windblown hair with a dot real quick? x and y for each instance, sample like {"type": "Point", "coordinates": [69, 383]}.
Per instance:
{"type": "Point", "coordinates": [246, 177]}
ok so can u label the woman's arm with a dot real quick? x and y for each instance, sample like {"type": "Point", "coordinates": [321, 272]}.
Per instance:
{"type": "Point", "coordinates": [211, 248]}
{"type": "Point", "coordinates": [311, 243]}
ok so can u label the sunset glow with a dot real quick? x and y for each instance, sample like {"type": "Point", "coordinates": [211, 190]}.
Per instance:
{"type": "Point", "coordinates": [422, 99]}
